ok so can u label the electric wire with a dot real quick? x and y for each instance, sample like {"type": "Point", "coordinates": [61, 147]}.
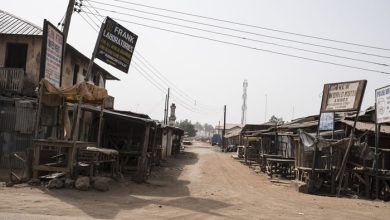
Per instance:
{"type": "Point", "coordinates": [167, 83]}
{"type": "Point", "coordinates": [172, 85]}
{"type": "Point", "coordinates": [154, 70]}
{"type": "Point", "coordinates": [249, 25]}
{"type": "Point", "coordinates": [101, 21]}
{"type": "Point", "coordinates": [160, 87]}
{"type": "Point", "coordinates": [149, 78]}
{"type": "Point", "coordinates": [249, 39]}
{"type": "Point", "coordinates": [88, 22]}
{"type": "Point", "coordinates": [250, 47]}
{"type": "Point", "coordinates": [238, 30]}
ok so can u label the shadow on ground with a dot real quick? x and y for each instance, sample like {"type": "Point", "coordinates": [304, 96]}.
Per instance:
{"type": "Point", "coordinates": [164, 188]}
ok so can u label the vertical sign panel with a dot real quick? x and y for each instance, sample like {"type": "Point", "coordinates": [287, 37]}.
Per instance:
{"type": "Point", "coordinates": [51, 55]}
{"type": "Point", "coordinates": [382, 101]}
{"type": "Point", "coordinates": [326, 121]}
{"type": "Point", "coordinates": [116, 45]}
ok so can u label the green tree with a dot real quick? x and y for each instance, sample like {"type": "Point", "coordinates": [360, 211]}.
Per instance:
{"type": "Point", "coordinates": [275, 120]}
{"type": "Point", "coordinates": [188, 127]}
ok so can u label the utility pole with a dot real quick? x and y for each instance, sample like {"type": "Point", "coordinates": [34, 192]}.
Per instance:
{"type": "Point", "coordinates": [244, 107]}
{"type": "Point", "coordinates": [265, 116]}
{"type": "Point", "coordinates": [224, 127]}
{"type": "Point", "coordinates": [165, 109]}
{"type": "Point", "coordinates": [65, 30]}
{"type": "Point", "coordinates": [166, 112]}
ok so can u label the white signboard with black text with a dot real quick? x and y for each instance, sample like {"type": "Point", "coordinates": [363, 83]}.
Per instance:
{"type": "Point", "coordinates": [343, 96]}
{"type": "Point", "coordinates": [51, 58]}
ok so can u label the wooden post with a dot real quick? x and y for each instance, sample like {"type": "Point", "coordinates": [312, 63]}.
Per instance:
{"type": "Point", "coordinates": [38, 115]}
{"type": "Point", "coordinates": [224, 128]}
{"type": "Point", "coordinates": [90, 65]}
{"type": "Point", "coordinates": [142, 162]}
{"type": "Point", "coordinates": [99, 140]}
{"type": "Point", "coordinates": [377, 135]}
{"type": "Point", "coordinates": [340, 174]}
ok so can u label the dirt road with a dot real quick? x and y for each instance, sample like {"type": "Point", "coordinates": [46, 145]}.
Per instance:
{"type": "Point", "coordinates": [199, 184]}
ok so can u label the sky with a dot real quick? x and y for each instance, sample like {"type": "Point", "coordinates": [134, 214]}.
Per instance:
{"type": "Point", "coordinates": [211, 74]}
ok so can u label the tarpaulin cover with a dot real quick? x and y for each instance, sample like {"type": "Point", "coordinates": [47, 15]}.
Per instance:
{"type": "Point", "coordinates": [88, 93]}
{"type": "Point", "coordinates": [309, 140]}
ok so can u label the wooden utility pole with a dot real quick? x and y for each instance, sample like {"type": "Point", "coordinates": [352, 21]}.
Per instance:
{"type": "Point", "coordinates": [65, 30]}
{"type": "Point", "coordinates": [224, 127]}
{"type": "Point", "coordinates": [142, 169]}
{"type": "Point", "coordinates": [167, 107]}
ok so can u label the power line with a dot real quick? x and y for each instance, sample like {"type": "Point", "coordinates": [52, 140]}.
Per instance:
{"type": "Point", "coordinates": [155, 83]}
{"type": "Point", "coordinates": [237, 30]}
{"type": "Point", "coordinates": [253, 48]}
{"type": "Point", "coordinates": [93, 9]}
{"type": "Point", "coordinates": [252, 26]}
{"type": "Point", "coordinates": [249, 39]}
{"type": "Point", "coordinates": [88, 22]}
{"type": "Point", "coordinates": [159, 87]}
{"type": "Point", "coordinates": [168, 82]}
{"type": "Point", "coordinates": [164, 79]}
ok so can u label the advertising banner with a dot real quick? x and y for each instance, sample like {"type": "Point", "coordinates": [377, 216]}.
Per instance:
{"type": "Point", "coordinates": [116, 45]}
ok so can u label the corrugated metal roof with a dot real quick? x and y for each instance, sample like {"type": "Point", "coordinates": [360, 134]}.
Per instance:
{"type": "Point", "coordinates": [10, 24]}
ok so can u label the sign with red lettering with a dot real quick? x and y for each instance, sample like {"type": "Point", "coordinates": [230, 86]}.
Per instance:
{"type": "Point", "coordinates": [343, 96]}
{"type": "Point", "coordinates": [116, 45]}
{"type": "Point", "coordinates": [51, 55]}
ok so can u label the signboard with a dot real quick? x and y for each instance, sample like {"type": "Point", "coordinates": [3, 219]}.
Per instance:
{"type": "Point", "coordinates": [382, 101]}
{"type": "Point", "coordinates": [51, 54]}
{"type": "Point", "coordinates": [343, 96]}
{"type": "Point", "coordinates": [326, 121]}
{"type": "Point", "coordinates": [116, 45]}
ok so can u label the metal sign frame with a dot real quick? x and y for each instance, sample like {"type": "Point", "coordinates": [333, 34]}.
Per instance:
{"type": "Point", "coordinates": [42, 73]}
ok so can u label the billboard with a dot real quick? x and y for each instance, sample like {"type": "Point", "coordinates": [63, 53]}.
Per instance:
{"type": "Point", "coordinates": [343, 96]}
{"type": "Point", "coordinates": [382, 101]}
{"type": "Point", "coordinates": [116, 45]}
{"type": "Point", "coordinates": [326, 121]}
{"type": "Point", "coordinates": [52, 54]}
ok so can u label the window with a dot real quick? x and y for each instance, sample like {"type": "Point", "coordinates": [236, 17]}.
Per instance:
{"type": "Point", "coordinates": [75, 73]}
{"type": "Point", "coordinates": [16, 56]}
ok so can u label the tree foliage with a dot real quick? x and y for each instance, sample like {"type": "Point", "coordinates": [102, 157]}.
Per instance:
{"type": "Point", "coordinates": [275, 120]}
{"type": "Point", "coordinates": [188, 127]}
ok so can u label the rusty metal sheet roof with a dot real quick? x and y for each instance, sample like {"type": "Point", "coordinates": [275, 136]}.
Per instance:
{"type": "Point", "coordinates": [367, 126]}
{"type": "Point", "coordinates": [10, 24]}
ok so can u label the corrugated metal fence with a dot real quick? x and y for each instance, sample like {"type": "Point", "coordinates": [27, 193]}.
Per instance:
{"type": "Point", "coordinates": [17, 119]}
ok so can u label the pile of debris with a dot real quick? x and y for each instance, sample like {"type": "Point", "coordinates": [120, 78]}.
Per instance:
{"type": "Point", "coordinates": [82, 183]}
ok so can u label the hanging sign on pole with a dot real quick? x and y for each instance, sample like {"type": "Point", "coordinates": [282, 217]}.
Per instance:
{"type": "Point", "coordinates": [116, 45]}
{"type": "Point", "coordinates": [382, 101]}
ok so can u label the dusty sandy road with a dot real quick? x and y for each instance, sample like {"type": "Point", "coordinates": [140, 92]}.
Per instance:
{"type": "Point", "coordinates": [199, 184]}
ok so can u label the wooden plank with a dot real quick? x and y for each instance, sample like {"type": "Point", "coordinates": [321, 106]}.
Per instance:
{"type": "Point", "coordinates": [51, 169]}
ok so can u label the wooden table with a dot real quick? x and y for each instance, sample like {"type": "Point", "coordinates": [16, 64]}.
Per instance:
{"type": "Point", "coordinates": [71, 146]}
{"type": "Point", "coordinates": [281, 166]}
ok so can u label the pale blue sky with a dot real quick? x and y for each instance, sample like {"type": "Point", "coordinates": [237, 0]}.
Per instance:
{"type": "Point", "coordinates": [213, 73]}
